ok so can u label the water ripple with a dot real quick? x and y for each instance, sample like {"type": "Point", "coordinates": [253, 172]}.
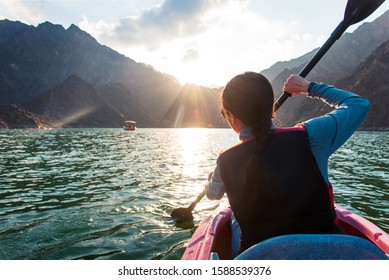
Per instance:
{"type": "Point", "coordinates": [108, 193]}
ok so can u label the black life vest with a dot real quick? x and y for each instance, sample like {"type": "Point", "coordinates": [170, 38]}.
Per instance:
{"type": "Point", "coordinates": [291, 196]}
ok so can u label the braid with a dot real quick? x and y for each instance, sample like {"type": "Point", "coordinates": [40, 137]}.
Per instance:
{"type": "Point", "coordinates": [262, 131]}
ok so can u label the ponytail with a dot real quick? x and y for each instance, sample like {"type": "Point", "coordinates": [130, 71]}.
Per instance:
{"type": "Point", "coordinates": [256, 173]}
{"type": "Point", "coordinates": [262, 132]}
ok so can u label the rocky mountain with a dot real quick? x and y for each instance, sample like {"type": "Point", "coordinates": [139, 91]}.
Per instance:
{"type": "Point", "coordinates": [35, 59]}
{"type": "Point", "coordinates": [371, 79]}
{"type": "Point", "coordinates": [77, 104]}
{"type": "Point", "coordinates": [13, 116]}
{"type": "Point", "coordinates": [125, 102]}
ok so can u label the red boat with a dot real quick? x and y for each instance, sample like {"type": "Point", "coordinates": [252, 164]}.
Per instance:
{"type": "Point", "coordinates": [362, 240]}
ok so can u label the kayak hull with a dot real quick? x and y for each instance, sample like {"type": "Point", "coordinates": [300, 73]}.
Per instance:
{"type": "Point", "coordinates": [212, 239]}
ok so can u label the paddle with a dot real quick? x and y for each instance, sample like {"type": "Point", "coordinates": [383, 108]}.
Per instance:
{"type": "Point", "coordinates": [356, 11]}
{"type": "Point", "coordinates": [184, 215]}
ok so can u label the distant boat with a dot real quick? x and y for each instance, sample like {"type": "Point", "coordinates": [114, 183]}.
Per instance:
{"type": "Point", "coordinates": [129, 125]}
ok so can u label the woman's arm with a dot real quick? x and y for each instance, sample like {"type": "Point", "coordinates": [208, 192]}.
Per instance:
{"type": "Point", "coordinates": [332, 130]}
{"type": "Point", "coordinates": [215, 188]}
{"type": "Point", "coordinates": [327, 133]}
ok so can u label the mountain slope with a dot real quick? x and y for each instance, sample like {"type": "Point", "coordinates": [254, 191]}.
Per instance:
{"type": "Point", "coordinates": [371, 79]}
{"type": "Point", "coordinates": [12, 116]}
{"type": "Point", "coordinates": [76, 103]}
{"type": "Point", "coordinates": [124, 101]}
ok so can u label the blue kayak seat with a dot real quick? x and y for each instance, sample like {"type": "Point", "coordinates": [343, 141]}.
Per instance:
{"type": "Point", "coordinates": [314, 247]}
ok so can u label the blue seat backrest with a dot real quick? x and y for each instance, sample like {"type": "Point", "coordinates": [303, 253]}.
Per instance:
{"type": "Point", "coordinates": [314, 247]}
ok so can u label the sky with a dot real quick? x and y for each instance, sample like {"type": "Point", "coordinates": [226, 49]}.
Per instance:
{"type": "Point", "coordinates": [206, 42]}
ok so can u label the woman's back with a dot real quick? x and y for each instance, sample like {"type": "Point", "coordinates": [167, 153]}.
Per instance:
{"type": "Point", "coordinates": [287, 193]}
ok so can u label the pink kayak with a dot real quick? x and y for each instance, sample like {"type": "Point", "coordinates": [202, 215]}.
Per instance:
{"type": "Point", "coordinates": [362, 240]}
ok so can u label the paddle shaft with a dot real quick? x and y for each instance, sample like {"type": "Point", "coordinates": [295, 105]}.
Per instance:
{"type": "Point", "coordinates": [356, 10]}
{"type": "Point", "coordinates": [314, 60]}
{"type": "Point", "coordinates": [194, 203]}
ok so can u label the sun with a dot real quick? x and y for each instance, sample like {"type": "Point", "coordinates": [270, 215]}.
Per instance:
{"type": "Point", "coordinates": [202, 72]}
{"type": "Point", "coordinates": [192, 74]}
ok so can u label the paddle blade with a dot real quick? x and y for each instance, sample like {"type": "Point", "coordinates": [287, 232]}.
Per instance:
{"type": "Point", "coordinates": [182, 215]}
{"type": "Point", "coordinates": [358, 10]}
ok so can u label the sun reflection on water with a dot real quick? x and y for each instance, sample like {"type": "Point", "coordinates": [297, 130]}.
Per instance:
{"type": "Point", "coordinates": [191, 149]}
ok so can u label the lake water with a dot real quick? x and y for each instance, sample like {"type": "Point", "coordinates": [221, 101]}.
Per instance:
{"type": "Point", "coordinates": [108, 193]}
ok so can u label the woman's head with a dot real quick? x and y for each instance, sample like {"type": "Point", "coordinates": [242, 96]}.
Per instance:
{"type": "Point", "coordinates": [249, 97]}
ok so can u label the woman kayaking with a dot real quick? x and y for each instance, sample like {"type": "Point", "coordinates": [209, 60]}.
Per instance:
{"type": "Point", "coordinates": [276, 179]}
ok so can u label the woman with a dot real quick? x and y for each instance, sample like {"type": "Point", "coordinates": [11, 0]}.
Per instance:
{"type": "Point", "coordinates": [276, 179]}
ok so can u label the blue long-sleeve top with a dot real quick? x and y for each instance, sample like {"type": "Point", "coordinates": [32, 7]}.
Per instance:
{"type": "Point", "coordinates": [325, 134]}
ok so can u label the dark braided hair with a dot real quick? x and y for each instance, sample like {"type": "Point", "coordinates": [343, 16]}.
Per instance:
{"type": "Point", "coordinates": [250, 98]}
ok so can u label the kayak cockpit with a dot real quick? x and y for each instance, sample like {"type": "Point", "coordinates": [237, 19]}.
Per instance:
{"type": "Point", "coordinates": [362, 240]}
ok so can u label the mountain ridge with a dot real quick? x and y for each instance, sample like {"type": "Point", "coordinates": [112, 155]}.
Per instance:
{"type": "Point", "coordinates": [39, 58]}
{"type": "Point", "coordinates": [73, 109]}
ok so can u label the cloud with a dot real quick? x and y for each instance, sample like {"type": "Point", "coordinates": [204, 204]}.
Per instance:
{"type": "Point", "coordinates": [27, 12]}
{"type": "Point", "coordinates": [96, 29]}
{"type": "Point", "coordinates": [205, 42]}
{"type": "Point", "coordinates": [171, 20]}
